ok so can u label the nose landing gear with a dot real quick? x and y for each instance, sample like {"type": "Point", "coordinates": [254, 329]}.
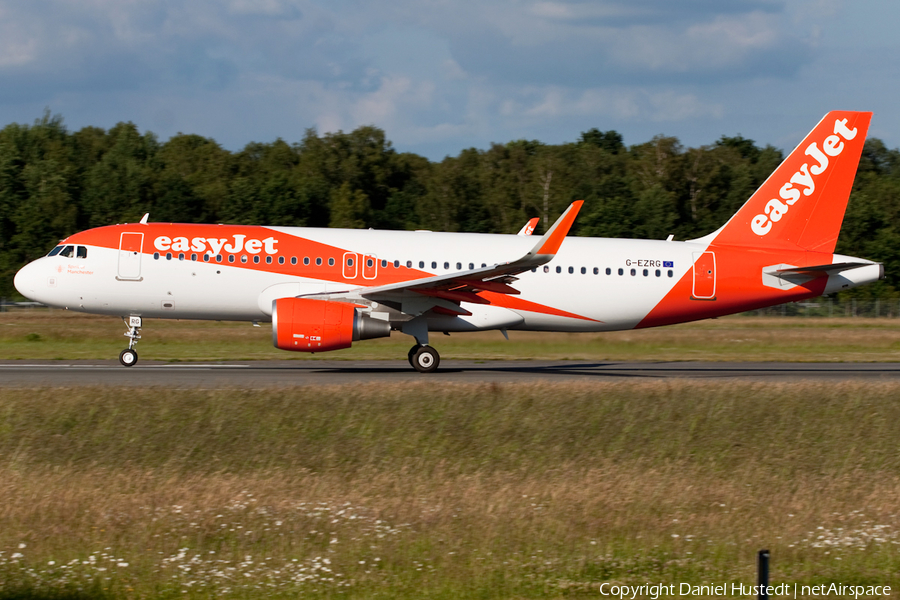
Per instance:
{"type": "Point", "coordinates": [129, 357]}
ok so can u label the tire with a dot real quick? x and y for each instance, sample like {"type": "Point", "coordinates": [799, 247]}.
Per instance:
{"type": "Point", "coordinates": [128, 357]}
{"type": "Point", "coordinates": [426, 359]}
{"type": "Point", "coordinates": [411, 353]}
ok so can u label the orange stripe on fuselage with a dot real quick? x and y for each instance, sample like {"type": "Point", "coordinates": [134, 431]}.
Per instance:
{"type": "Point", "coordinates": [739, 286]}
{"type": "Point", "coordinates": [285, 245]}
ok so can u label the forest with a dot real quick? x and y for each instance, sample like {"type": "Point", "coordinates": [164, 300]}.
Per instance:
{"type": "Point", "coordinates": [54, 182]}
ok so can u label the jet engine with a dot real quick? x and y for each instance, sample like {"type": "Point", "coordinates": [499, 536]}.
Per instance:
{"type": "Point", "coordinates": [306, 325]}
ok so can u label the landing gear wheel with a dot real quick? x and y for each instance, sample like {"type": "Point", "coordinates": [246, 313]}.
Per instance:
{"type": "Point", "coordinates": [426, 359]}
{"type": "Point", "coordinates": [411, 353]}
{"type": "Point", "coordinates": [128, 357]}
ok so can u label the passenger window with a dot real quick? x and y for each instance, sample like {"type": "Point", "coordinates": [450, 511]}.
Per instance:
{"type": "Point", "coordinates": [370, 263]}
{"type": "Point", "coordinates": [433, 265]}
{"type": "Point", "coordinates": [181, 256]}
{"type": "Point", "coordinates": [472, 266]}
{"type": "Point", "coordinates": [280, 260]}
{"type": "Point", "coordinates": [293, 260]}
{"type": "Point", "coordinates": [621, 271]}
{"type": "Point", "coordinates": [546, 269]}
{"type": "Point", "coordinates": [349, 262]}
{"type": "Point", "coordinates": [396, 264]}
{"type": "Point", "coordinates": [446, 265]}
{"type": "Point", "coordinates": [268, 260]}
{"type": "Point", "coordinates": [156, 256]}
{"type": "Point", "coordinates": [608, 271]}
{"type": "Point", "coordinates": [559, 269]}
{"type": "Point", "coordinates": [658, 273]}
{"type": "Point", "coordinates": [168, 256]}
{"type": "Point", "coordinates": [571, 270]}
{"type": "Point", "coordinates": [646, 272]}
{"type": "Point", "coordinates": [421, 264]}
{"type": "Point", "coordinates": [256, 260]}
{"type": "Point", "coordinates": [67, 251]}
{"type": "Point", "coordinates": [206, 258]}
{"type": "Point", "coordinates": [597, 271]}
{"type": "Point", "coordinates": [330, 262]}
{"type": "Point", "coordinates": [670, 273]}
{"type": "Point", "coordinates": [231, 258]}
{"type": "Point", "coordinates": [193, 257]}
{"type": "Point", "coordinates": [383, 263]}
{"type": "Point", "coordinates": [319, 262]}
{"type": "Point", "coordinates": [459, 266]}
{"type": "Point", "coordinates": [218, 258]}
{"type": "Point", "coordinates": [81, 252]}
{"type": "Point", "coordinates": [55, 251]}
{"type": "Point", "coordinates": [633, 272]}
{"type": "Point", "coordinates": [305, 260]}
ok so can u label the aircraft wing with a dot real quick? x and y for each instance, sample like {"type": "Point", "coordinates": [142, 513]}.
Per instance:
{"type": "Point", "coordinates": [443, 293]}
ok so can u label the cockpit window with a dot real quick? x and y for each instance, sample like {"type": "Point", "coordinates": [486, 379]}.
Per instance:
{"type": "Point", "coordinates": [55, 251]}
{"type": "Point", "coordinates": [68, 251]}
{"type": "Point", "coordinates": [81, 252]}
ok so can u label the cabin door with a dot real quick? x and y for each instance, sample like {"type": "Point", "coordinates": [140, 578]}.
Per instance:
{"type": "Point", "coordinates": [130, 245]}
{"type": "Point", "coordinates": [704, 276]}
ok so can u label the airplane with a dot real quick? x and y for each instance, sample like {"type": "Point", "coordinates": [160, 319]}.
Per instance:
{"type": "Point", "coordinates": [323, 289]}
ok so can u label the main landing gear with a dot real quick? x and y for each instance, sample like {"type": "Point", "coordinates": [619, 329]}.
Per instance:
{"type": "Point", "coordinates": [423, 358]}
{"type": "Point", "coordinates": [129, 357]}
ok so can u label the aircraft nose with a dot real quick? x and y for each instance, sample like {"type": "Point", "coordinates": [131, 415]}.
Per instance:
{"type": "Point", "coordinates": [26, 280]}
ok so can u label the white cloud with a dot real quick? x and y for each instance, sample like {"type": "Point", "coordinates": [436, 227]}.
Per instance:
{"type": "Point", "coordinates": [395, 93]}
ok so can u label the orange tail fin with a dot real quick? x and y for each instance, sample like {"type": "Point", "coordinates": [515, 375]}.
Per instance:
{"type": "Point", "coordinates": [802, 203]}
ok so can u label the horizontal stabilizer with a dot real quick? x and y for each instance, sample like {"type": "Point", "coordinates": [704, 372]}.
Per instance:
{"type": "Point", "coordinates": [821, 270]}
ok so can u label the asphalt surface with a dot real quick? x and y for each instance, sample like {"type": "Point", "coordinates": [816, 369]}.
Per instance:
{"type": "Point", "coordinates": [253, 374]}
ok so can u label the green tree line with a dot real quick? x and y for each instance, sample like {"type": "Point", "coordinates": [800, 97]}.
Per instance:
{"type": "Point", "coordinates": [54, 182]}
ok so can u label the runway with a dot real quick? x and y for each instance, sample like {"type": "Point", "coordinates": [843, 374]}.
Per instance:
{"type": "Point", "coordinates": [254, 374]}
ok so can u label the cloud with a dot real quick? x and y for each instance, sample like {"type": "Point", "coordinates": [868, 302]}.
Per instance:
{"type": "Point", "coordinates": [440, 75]}
{"type": "Point", "coordinates": [548, 45]}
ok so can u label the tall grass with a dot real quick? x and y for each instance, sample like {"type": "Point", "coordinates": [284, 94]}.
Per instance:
{"type": "Point", "coordinates": [462, 491]}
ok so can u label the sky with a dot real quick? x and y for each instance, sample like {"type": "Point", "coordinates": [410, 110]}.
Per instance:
{"type": "Point", "coordinates": [440, 76]}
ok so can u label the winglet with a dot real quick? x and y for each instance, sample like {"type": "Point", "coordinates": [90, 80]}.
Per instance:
{"type": "Point", "coordinates": [528, 228]}
{"type": "Point", "coordinates": [551, 241]}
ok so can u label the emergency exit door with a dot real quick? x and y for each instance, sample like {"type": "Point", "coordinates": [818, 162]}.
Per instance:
{"type": "Point", "coordinates": [704, 276]}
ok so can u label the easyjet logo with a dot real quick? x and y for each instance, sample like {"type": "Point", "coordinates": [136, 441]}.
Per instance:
{"type": "Point", "coordinates": [804, 178]}
{"type": "Point", "coordinates": [236, 243]}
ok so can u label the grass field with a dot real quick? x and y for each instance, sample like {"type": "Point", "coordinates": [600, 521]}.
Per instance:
{"type": "Point", "coordinates": [64, 335]}
{"type": "Point", "coordinates": [465, 491]}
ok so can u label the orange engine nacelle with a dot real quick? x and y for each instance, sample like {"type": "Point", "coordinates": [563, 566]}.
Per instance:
{"type": "Point", "coordinates": [305, 325]}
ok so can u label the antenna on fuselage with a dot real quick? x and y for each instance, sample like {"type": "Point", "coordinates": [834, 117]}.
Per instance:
{"type": "Point", "coordinates": [144, 218]}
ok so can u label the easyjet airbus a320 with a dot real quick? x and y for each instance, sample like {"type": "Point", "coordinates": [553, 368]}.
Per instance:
{"type": "Point", "coordinates": [323, 289]}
